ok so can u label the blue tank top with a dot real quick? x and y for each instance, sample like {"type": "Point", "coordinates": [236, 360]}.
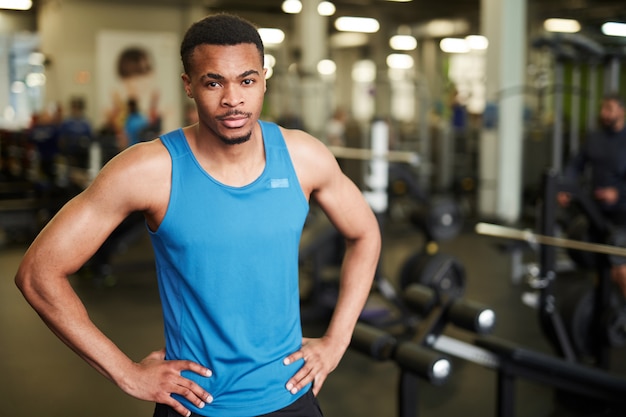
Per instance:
{"type": "Point", "coordinates": [227, 267]}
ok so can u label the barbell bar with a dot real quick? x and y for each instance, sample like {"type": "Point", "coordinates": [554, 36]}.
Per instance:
{"type": "Point", "coordinates": [408, 157]}
{"type": "Point", "coordinates": [495, 230]}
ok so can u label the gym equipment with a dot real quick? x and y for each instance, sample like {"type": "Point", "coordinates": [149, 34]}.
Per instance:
{"type": "Point", "coordinates": [440, 217]}
{"type": "Point", "coordinates": [531, 237]}
{"type": "Point", "coordinates": [444, 273]}
{"type": "Point", "coordinates": [512, 362]}
{"type": "Point", "coordinates": [606, 392]}
{"type": "Point", "coordinates": [572, 48]}
{"type": "Point", "coordinates": [584, 327]}
{"type": "Point", "coordinates": [414, 353]}
{"type": "Point", "coordinates": [411, 158]}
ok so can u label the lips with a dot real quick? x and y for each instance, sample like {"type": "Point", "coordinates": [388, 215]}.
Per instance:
{"type": "Point", "coordinates": [234, 122]}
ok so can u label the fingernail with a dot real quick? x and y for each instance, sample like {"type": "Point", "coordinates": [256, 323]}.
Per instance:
{"type": "Point", "coordinates": [209, 398]}
{"type": "Point", "coordinates": [188, 413]}
{"type": "Point", "coordinates": [289, 387]}
{"type": "Point", "coordinates": [286, 361]}
{"type": "Point", "coordinates": [209, 373]}
{"type": "Point", "coordinates": [294, 390]}
{"type": "Point", "coordinates": [201, 405]}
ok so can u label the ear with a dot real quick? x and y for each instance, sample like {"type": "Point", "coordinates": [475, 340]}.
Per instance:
{"type": "Point", "coordinates": [264, 80]}
{"type": "Point", "coordinates": [187, 84]}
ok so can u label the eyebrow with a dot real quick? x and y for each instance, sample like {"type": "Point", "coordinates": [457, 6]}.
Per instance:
{"type": "Point", "coordinates": [221, 77]}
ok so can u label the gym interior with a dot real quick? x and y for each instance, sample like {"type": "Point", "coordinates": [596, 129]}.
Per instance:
{"type": "Point", "coordinates": [455, 119]}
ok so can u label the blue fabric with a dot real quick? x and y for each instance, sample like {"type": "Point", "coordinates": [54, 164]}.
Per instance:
{"type": "Point", "coordinates": [134, 125]}
{"type": "Point", "coordinates": [227, 265]}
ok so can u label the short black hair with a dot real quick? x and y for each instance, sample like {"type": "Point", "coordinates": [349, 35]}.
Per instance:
{"type": "Point", "coordinates": [219, 29]}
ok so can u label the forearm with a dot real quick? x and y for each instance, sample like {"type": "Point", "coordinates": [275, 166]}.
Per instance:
{"type": "Point", "coordinates": [63, 312]}
{"type": "Point", "coordinates": [357, 274]}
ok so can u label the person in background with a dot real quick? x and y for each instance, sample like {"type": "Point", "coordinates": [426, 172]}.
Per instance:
{"type": "Point", "coordinates": [604, 154]}
{"type": "Point", "coordinates": [224, 201]}
{"type": "Point", "coordinates": [76, 135]}
{"type": "Point", "coordinates": [44, 134]}
{"type": "Point", "coordinates": [135, 124]}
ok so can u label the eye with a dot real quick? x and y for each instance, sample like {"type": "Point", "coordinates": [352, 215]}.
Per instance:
{"type": "Point", "coordinates": [248, 81]}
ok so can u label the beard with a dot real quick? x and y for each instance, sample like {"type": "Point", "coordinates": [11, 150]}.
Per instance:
{"type": "Point", "coordinates": [235, 141]}
{"type": "Point", "coordinates": [610, 123]}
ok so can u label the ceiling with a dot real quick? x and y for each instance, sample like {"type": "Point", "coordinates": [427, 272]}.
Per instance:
{"type": "Point", "coordinates": [591, 13]}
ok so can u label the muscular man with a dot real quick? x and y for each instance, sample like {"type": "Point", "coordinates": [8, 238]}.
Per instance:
{"type": "Point", "coordinates": [225, 201]}
{"type": "Point", "coordinates": [604, 152]}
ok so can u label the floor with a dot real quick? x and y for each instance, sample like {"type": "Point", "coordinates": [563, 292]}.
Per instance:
{"type": "Point", "coordinates": [41, 377]}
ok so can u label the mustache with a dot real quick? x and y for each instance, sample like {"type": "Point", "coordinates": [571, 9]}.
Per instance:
{"type": "Point", "coordinates": [232, 113]}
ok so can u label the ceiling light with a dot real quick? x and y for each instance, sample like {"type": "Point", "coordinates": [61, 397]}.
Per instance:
{"type": "Point", "coordinates": [272, 36]}
{"type": "Point", "coordinates": [403, 42]}
{"type": "Point", "coordinates": [16, 4]}
{"type": "Point", "coordinates": [614, 29]}
{"type": "Point", "coordinates": [357, 24]}
{"type": "Point", "coordinates": [561, 25]}
{"type": "Point", "coordinates": [269, 61]}
{"type": "Point", "coordinates": [454, 45]}
{"type": "Point", "coordinates": [477, 42]}
{"type": "Point", "coordinates": [326, 67]}
{"type": "Point", "coordinates": [36, 59]}
{"type": "Point", "coordinates": [292, 6]}
{"type": "Point", "coordinates": [348, 39]}
{"type": "Point", "coordinates": [326, 8]}
{"type": "Point", "coordinates": [364, 71]}
{"type": "Point", "coordinates": [400, 61]}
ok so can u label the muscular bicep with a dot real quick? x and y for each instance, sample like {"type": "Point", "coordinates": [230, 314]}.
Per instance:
{"type": "Point", "coordinates": [323, 181]}
{"type": "Point", "coordinates": [345, 206]}
{"type": "Point", "coordinates": [84, 223]}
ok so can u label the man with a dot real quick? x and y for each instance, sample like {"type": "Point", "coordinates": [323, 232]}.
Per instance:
{"type": "Point", "coordinates": [76, 135]}
{"type": "Point", "coordinates": [604, 152]}
{"type": "Point", "coordinates": [225, 201]}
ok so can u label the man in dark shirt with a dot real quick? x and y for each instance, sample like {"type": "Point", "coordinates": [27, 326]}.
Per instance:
{"type": "Point", "coordinates": [604, 153]}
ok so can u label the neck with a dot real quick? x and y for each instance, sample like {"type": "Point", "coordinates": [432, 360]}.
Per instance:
{"type": "Point", "coordinates": [235, 165]}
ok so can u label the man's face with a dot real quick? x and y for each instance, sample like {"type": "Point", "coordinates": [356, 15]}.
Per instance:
{"type": "Point", "coordinates": [228, 85]}
{"type": "Point", "coordinates": [612, 115]}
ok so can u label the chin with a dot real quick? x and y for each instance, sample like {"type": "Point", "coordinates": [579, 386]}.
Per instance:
{"type": "Point", "coordinates": [237, 140]}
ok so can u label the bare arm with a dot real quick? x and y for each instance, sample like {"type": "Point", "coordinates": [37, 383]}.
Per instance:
{"type": "Point", "coordinates": [125, 185]}
{"type": "Point", "coordinates": [346, 208]}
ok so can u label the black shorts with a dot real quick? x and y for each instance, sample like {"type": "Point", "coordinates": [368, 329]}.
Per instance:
{"type": "Point", "coordinates": [305, 406]}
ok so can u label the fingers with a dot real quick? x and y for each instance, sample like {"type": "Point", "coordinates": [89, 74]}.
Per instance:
{"type": "Point", "coordinates": [312, 370]}
{"type": "Point", "coordinates": [159, 379]}
{"type": "Point", "coordinates": [189, 389]}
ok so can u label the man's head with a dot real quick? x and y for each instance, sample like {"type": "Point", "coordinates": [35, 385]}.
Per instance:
{"type": "Point", "coordinates": [612, 112]}
{"type": "Point", "coordinates": [220, 29]}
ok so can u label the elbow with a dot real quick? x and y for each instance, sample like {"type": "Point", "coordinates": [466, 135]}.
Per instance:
{"type": "Point", "coordinates": [22, 281]}
{"type": "Point", "coordinates": [25, 281]}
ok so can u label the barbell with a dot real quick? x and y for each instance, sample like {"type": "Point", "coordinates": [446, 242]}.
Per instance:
{"type": "Point", "coordinates": [577, 307]}
{"type": "Point", "coordinates": [408, 157]}
{"type": "Point", "coordinates": [495, 230]}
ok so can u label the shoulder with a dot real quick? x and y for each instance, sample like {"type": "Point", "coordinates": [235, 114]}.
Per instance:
{"type": "Point", "coordinates": [312, 160]}
{"type": "Point", "coordinates": [136, 177]}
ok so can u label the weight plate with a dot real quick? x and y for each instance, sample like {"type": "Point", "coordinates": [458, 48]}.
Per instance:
{"type": "Point", "coordinates": [443, 273]}
{"type": "Point", "coordinates": [442, 219]}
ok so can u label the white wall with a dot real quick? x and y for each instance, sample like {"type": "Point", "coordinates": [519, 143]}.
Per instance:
{"type": "Point", "coordinates": [69, 29]}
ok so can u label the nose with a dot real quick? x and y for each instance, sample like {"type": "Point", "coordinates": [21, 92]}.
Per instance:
{"type": "Point", "coordinates": [232, 96]}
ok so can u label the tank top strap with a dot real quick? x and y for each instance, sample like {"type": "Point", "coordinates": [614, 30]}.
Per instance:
{"type": "Point", "coordinates": [175, 142]}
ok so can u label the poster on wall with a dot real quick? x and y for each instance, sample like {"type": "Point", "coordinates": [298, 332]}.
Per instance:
{"type": "Point", "coordinates": [139, 72]}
